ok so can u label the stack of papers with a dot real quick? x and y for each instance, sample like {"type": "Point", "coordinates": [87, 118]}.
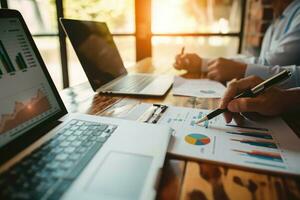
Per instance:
{"type": "Point", "coordinates": [202, 88]}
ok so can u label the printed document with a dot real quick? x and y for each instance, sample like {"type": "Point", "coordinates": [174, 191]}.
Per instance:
{"type": "Point", "coordinates": [269, 145]}
{"type": "Point", "coordinates": [202, 88]}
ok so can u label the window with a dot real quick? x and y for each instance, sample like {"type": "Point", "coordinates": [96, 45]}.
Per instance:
{"type": "Point", "coordinates": [165, 48]}
{"type": "Point", "coordinates": [194, 16]}
{"type": "Point", "coordinates": [119, 16]}
{"type": "Point", "coordinates": [211, 28]}
{"type": "Point", "coordinates": [140, 28]}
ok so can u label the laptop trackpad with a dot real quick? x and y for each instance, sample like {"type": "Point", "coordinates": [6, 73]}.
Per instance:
{"type": "Point", "coordinates": [121, 175]}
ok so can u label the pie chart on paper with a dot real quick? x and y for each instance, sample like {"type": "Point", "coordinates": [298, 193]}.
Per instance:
{"type": "Point", "coordinates": [197, 139]}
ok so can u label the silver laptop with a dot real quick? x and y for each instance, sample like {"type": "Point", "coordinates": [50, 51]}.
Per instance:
{"type": "Point", "coordinates": [46, 153]}
{"type": "Point", "coordinates": [103, 65]}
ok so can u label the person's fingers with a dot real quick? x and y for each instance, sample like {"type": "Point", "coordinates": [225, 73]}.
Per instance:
{"type": "Point", "coordinates": [239, 120]}
{"type": "Point", "coordinates": [248, 82]}
{"type": "Point", "coordinates": [179, 61]}
{"type": "Point", "coordinates": [237, 86]}
{"type": "Point", "coordinates": [177, 57]}
{"type": "Point", "coordinates": [177, 66]}
{"type": "Point", "coordinates": [228, 117]}
{"type": "Point", "coordinates": [183, 60]}
{"type": "Point", "coordinates": [212, 61]}
{"type": "Point", "coordinates": [231, 91]}
{"type": "Point", "coordinates": [212, 75]}
{"type": "Point", "coordinates": [244, 105]}
{"type": "Point", "coordinates": [231, 81]}
{"type": "Point", "coordinates": [186, 61]}
{"type": "Point", "coordinates": [211, 67]}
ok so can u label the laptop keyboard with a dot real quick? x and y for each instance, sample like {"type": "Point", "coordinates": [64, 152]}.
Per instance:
{"type": "Point", "coordinates": [50, 170]}
{"type": "Point", "coordinates": [132, 83]}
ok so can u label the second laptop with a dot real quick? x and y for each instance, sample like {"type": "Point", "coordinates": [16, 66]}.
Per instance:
{"type": "Point", "coordinates": [102, 63]}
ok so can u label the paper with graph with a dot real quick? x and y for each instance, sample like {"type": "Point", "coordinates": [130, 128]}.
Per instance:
{"type": "Point", "coordinates": [270, 145]}
{"type": "Point", "coordinates": [202, 88]}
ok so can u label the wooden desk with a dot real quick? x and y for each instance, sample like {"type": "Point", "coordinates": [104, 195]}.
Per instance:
{"type": "Point", "coordinates": [186, 179]}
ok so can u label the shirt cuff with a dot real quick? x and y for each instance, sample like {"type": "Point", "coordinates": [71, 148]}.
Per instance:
{"type": "Point", "coordinates": [244, 59]}
{"type": "Point", "coordinates": [204, 64]}
{"type": "Point", "coordinates": [257, 70]}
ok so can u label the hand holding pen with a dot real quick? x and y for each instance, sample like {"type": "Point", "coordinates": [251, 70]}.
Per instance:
{"type": "Point", "coordinates": [190, 62]}
{"type": "Point", "coordinates": [254, 95]}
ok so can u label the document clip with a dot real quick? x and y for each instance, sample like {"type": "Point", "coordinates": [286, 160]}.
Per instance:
{"type": "Point", "coordinates": [153, 114]}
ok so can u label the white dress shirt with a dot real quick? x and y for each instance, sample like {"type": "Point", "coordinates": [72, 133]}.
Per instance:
{"type": "Point", "coordinates": [293, 81]}
{"type": "Point", "coordinates": [280, 47]}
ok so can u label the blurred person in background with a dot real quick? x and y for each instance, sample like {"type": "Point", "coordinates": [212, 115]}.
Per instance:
{"type": "Point", "coordinates": [280, 49]}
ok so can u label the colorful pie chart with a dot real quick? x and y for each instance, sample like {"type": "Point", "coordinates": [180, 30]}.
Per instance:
{"type": "Point", "coordinates": [197, 139]}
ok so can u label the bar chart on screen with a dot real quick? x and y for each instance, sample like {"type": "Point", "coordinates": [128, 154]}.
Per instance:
{"type": "Point", "coordinates": [12, 61]}
{"type": "Point", "coordinates": [26, 96]}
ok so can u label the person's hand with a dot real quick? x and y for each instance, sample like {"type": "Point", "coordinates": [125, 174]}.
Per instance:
{"type": "Point", "coordinates": [223, 70]}
{"type": "Point", "coordinates": [270, 103]}
{"type": "Point", "coordinates": [190, 62]}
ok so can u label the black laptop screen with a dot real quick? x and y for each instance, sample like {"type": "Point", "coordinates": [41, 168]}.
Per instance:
{"type": "Point", "coordinates": [96, 50]}
{"type": "Point", "coordinates": [26, 96]}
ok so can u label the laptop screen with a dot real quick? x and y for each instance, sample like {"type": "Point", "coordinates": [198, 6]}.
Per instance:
{"type": "Point", "coordinates": [96, 50]}
{"type": "Point", "coordinates": [26, 97]}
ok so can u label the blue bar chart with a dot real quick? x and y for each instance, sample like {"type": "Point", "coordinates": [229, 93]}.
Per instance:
{"type": "Point", "coordinates": [247, 127]}
{"type": "Point", "coordinates": [5, 60]}
{"type": "Point", "coordinates": [263, 135]}
{"type": "Point", "coordinates": [21, 62]}
{"type": "Point", "coordinates": [258, 143]}
{"type": "Point", "coordinates": [12, 61]}
{"type": "Point", "coordinates": [262, 155]}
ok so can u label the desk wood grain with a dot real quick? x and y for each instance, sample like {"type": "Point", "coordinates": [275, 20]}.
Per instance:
{"type": "Point", "coordinates": [188, 179]}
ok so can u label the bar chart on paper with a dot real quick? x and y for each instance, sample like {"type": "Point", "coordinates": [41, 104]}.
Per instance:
{"type": "Point", "coordinates": [254, 145]}
{"type": "Point", "coordinates": [254, 134]}
{"type": "Point", "coordinates": [267, 156]}
{"type": "Point", "coordinates": [251, 145]}
{"type": "Point", "coordinates": [257, 143]}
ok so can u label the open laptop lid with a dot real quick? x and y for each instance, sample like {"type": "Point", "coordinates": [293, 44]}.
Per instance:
{"type": "Point", "coordinates": [95, 49]}
{"type": "Point", "coordinates": [29, 101]}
